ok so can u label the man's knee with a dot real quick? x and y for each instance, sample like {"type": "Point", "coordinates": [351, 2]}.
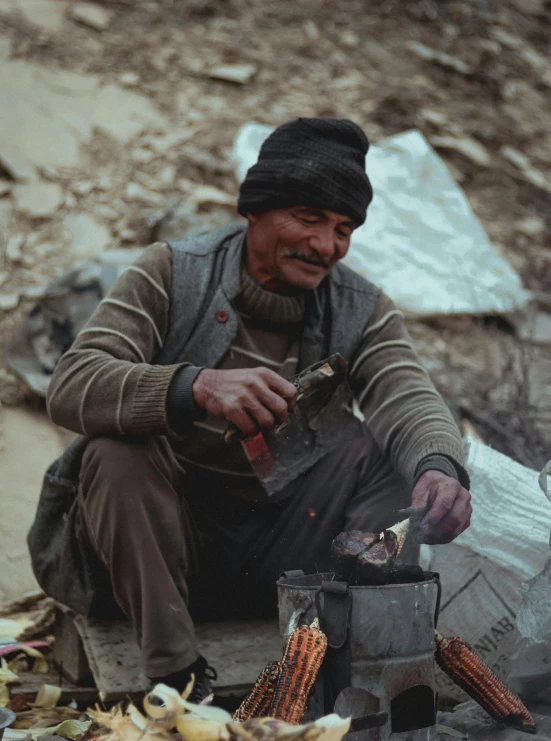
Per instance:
{"type": "Point", "coordinates": [124, 465]}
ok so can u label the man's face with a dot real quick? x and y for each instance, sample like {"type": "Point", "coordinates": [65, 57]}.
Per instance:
{"type": "Point", "coordinates": [296, 246]}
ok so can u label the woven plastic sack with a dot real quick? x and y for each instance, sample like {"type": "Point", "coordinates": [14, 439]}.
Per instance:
{"type": "Point", "coordinates": [482, 571]}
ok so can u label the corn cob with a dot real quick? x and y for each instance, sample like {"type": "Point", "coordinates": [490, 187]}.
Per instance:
{"type": "Point", "coordinates": [300, 664]}
{"type": "Point", "coordinates": [458, 660]}
{"type": "Point", "coordinates": [256, 704]}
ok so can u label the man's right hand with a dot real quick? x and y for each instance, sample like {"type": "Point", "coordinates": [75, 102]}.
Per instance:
{"type": "Point", "coordinates": [252, 399]}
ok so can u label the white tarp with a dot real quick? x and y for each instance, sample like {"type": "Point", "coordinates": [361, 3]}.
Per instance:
{"type": "Point", "coordinates": [421, 242]}
{"type": "Point", "coordinates": [483, 569]}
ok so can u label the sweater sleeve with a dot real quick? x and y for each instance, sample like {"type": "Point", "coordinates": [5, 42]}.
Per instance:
{"type": "Point", "coordinates": [405, 413]}
{"type": "Point", "coordinates": [106, 384]}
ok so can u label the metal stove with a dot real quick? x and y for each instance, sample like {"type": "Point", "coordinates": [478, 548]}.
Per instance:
{"type": "Point", "coordinates": [379, 669]}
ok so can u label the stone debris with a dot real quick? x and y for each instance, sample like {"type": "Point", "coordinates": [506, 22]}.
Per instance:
{"type": "Point", "coordinates": [48, 15]}
{"type": "Point", "coordinates": [143, 156]}
{"type": "Point", "coordinates": [466, 146]}
{"type": "Point", "coordinates": [38, 199]}
{"type": "Point", "coordinates": [91, 15]}
{"type": "Point", "coordinates": [311, 31]}
{"type": "Point", "coordinates": [172, 140]}
{"type": "Point", "coordinates": [60, 110]}
{"type": "Point", "coordinates": [241, 74]}
{"type": "Point", "coordinates": [136, 192]}
{"type": "Point", "coordinates": [33, 292]}
{"type": "Point", "coordinates": [86, 235]}
{"type": "Point", "coordinates": [167, 175]}
{"type": "Point", "coordinates": [531, 226]}
{"type": "Point", "coordinates": [540, 65]}
{"type": "Point", "coordinates": [529, 172]}
{"type": "Point", "coordinates": [13, 248]}
{"type": "Point", "coordinates": [83, 188]}
{"type": "Point", "coordinates": [8, 301]}
{"type": "Point", "coordinates": [441, 58]}
{"type": "Point", "coordinates": [349, 39]}
{"type": "Point", "coordinates": [129, 79]}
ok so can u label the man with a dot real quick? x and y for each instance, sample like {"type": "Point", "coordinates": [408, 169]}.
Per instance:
{"type": "Point", "coordinates": [206, 332]}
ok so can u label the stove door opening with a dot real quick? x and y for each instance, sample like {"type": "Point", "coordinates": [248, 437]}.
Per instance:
{"type": "Point", "coordinates": [413, 709]}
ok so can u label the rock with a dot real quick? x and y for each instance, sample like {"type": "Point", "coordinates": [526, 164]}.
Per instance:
{"type": "Point", "coordinates": [91, 15]}
{"type": "Point", "coordinates": [434, 117]}
{"type": "Point", "coordinates": [540, 65]}
{"type": "Point", "coordinates": [4, 277]}
{"type": "Point", "coordinates": [60, 110]}
{"type": "Point", "coordinates": [128, 235]}
{"type": "Point", "coordinates": [13, 248]}
{"type": "Point", "coordinates": [129, 79]}
{"type": "Point", "coordinates": [5, 188]}
{"type": "Point", "coordinates": [211, 194]}
{"type": "Point", "coordinates": [166, 175]}
{"type": "Point", "coordinates": [136, 192]}
{"type": "Point", "coordinates": [124, 113]}
{"type": "Point", "coordinates": [38, 199]}
{"type": "Point", "coordinates": [5, 48]}
{"type": "Point", "coordinates": [104, 183]}
{"type": "Point", "coordinates": [46, 248]}
{"type": "Point", "coordinates": [349, 39]}
{"type": "Point", "coordinates": [33, 292]}
{"type": "Point", "coordinates": [6, 212]}
{"type": "Point", "coordinates": [86, 234]}
{"type": "Point", "coordinates": [467, 146]}
{"type": "Point", "coordinates": [441, 58]}
{"type": "Point", "coordinates": [30, 442]}
{"type": "Point", "coordinates": [143, 156]}
{"type": "Point", "coordinates": [8, 301]}
{"type": "Point", "coordinates": [529, 172]}
{"type": "Point", "coordinates": [48, 15]}
{"type": "Point", "coordinates": [531, 226]}
{"type": "Point", "coordinates": [83, 188]}
{"type": "Point", "coordinates": [238, 73]}
{"type": "Point", "coordinates": [183, 218]}
{"type": "Point", "coordinates": [311, 31]}
{"type": "Point", "coordinates": [106, 211]}
{"type": "Point", "coordinates": [170, 141]}
{"type": "Point", "coordinates": [70, 201]}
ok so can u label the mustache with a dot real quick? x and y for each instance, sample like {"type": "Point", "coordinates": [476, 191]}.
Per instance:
{"type": "Point", "coordinates": [306, 258]}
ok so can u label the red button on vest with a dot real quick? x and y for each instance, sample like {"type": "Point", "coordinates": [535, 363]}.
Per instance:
{"type": "Point", "coordinates": [222, 315]}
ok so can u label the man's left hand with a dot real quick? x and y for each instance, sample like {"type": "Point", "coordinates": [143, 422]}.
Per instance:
{"type": "Point", "coordinates": [447, 506]}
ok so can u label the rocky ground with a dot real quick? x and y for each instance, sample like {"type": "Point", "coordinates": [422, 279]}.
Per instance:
{"type": "Point", "coordinates": [152, 93]}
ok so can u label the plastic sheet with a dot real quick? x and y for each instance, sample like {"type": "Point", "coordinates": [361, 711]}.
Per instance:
{"type": "Point", "coordinates": [421, 241]}
{"type": "Point", "coordinates": [483, 569]}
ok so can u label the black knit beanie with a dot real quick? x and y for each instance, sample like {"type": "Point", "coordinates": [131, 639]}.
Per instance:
{"type": "Point", "coordinates": [317, 162]}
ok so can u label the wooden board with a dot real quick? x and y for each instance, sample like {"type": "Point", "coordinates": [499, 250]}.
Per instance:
{"type": "Point", "coordinates": [237, 650]}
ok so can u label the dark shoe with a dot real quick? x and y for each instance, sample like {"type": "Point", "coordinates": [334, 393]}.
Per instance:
{"type": "Point", "coordinates": [202, 686]}
{"type": "Point", "coordinates": [203, 674]}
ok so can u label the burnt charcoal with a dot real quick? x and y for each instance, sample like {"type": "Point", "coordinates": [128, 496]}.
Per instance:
{"type": "Point", "coordinates": [346, 548]}
{"type": "Point", "coordinates": [372, 566]}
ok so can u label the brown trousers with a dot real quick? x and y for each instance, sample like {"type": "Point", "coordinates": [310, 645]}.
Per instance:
{"type": "Point", "coordinates": [178, 546]}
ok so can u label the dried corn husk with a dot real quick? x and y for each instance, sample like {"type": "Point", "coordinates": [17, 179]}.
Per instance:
{"type": "Point", "coordinates": [48, 696]}
{"type": "Point", "coordinates": [7, 677]}
{"type": "Point", "coordinates": [205, 723]}
{"type": "Point", "coordinates": [129, 725]}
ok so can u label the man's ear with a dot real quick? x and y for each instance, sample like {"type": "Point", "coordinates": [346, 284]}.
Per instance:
{"type": "Point", "coordinates": [251, 218]}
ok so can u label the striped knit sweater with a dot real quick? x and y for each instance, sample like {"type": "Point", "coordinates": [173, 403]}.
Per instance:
{"type": "Point", "coordinates": [108, 384]}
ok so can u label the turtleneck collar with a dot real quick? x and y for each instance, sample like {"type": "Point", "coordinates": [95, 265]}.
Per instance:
{"type": "Point", "coordinates": [268, 306]}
